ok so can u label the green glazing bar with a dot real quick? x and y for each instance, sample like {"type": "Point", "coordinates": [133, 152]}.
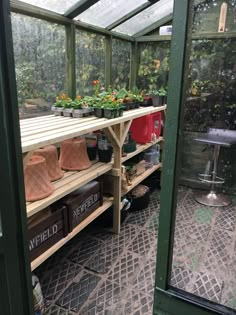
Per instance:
{"type": "Point", "coordinates": [180, 48]}
{"type": "Point", "coordinates": [108, 61]}
{"type": "Point", "coordinates": [70, 61]}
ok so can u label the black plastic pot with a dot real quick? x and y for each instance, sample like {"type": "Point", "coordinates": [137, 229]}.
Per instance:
{"type": "Point", "coordinates": [98, 112]}
{"type": "Point", "coordinates": [109, 113]}
{"type": "Point", "coordinates": [132, 105]}
{"type": "Point", "coordinates": [105, 155]}
{"type": "Point", "coordinates": [137, 104]}
{"type": "Point", "coordinates": [141, 202]}
{"type": "Point", "coordinates": [121, 110]}
{"type": "Point", "coordinates": [156, 101]}
{"type": "Point", "coordinates": [92, 153]}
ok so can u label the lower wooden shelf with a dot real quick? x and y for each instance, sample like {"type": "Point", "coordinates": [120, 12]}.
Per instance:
{"type": "Point", "coordinates": [107, 203]}
{"type": "Point", "coordinates": [137, 180]}
{"type": "Point", "coordinates": [67, 184]}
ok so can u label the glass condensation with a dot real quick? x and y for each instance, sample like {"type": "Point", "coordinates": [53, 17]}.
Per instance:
{"type": "Point", "coordinates": [105, 12]}
{"type": "Point", "coordinates": [90, 61]}
{"type": "Point", "coordinates": [204, 252]}
{"type": "Point", "coordinates": [39, 51]}
{"type": "Point", "coordinates": [120, 63]}
{"type": "Point", "coordinates": [153, 68]}
{"type": "Point", "coordinates": [146, 18]}
{"type": "Point", "coordinates": [206, 16]}
{"type": "Point", "coordinates": [59, 6]}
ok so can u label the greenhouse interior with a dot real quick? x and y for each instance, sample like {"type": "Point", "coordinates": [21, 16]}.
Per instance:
{"type": "Point", "coordinates": [118, 159]}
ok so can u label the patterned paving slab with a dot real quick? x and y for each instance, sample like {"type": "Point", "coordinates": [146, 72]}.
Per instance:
{"type": "Point", "coordinates": [142, 243]}
{"type": "Point", "coordinates": [187, 254]}
{"type": "Point", "coordinates": [153, 225]}
{"type": "Point", "coordinates": [185, 210]}
{"type": "Point", "coordinates": [85, 250]}
{"type": "Point", "coordinates": [56, 310]}
{"type": "Point", "coordinates": [198, 232]}
{"type": "Point", "coordinates": [145, 280]}
{"type": "Point", "coordinates": [218, 253]}
{"type": "Point", "coordinates": [105, 300]}
{"type": "Point", "coordinates": [55, 283]}
{"type": "Point", "coordinates": [126, 268]}
{"type": "Point", "coordinates": [140, 217]}
{"type": "Point", "coordinates": [127, 233]}
{"type": "Point", "coordinates": [226, 219]}
{"type": "Point", "coordinates": [229, 294]}
{"type": "Point", "coordinates": [104, 258]}
{"type": "Point", "coordinates": [77, 293]}
{"type": "Point", "coordinates": [181, 278]}
{"type": "Point", "coordinates": [135, 303]}
{"type": "Point", "coordinates": [208, 287]}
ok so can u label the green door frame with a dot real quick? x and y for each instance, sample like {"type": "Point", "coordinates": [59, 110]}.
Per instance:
{"type": "Point", "coordinates": [15, 274]}
{"type": "Point", "coordinates": [170, 300]}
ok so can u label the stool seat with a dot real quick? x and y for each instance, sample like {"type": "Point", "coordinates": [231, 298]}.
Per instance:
{"type": "Point", "coordinates": [221, 137]}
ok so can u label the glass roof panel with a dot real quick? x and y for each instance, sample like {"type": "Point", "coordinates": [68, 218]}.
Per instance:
{"type": "Point", "coordinates": [59, 6]}
{"type": "Point", "coordinates": [146, 18]}
{"type": "Point", "coordinates": [105, 12]}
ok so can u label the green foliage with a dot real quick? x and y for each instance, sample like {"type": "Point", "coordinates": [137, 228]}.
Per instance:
{"type": "Point", "coordinates": [39, 50]}
{"type": "Point", "coordinates": [154, 65]}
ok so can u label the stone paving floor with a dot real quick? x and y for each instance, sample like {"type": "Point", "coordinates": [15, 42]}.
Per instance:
{"type": "Point", "coordinates": [99, 273]}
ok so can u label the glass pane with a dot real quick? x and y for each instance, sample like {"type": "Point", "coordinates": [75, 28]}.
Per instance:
{"type": "Point", "coordinates": [120, 63]}
{"type": "Point", "coordinates": [206, 16]}
{"type": "Point", "coordinates": [39, 50]}
{"type": "Point", "coordinates": [90, 61]}
{"type": "Point", "coordinates": [105, 12]}
{"type": "Point", "coordinates": [59, 6]}
{"type": "Point", "coordinates": [204, 253]}
{"type": "Point", "coordinates": [154, 65]}
{"type": "Point", "coordinates": [146, 18]}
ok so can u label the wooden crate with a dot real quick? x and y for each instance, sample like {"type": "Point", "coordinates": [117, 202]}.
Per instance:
{"type": "Point", "coordinates": [46, 229]}
{"type": "Point", "coordinates": [82, 202]}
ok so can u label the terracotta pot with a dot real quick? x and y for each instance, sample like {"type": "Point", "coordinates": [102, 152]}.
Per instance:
{"type": "Point", "coordinates": [74, 155]}
{"type": "Point", "coordinates": [50, 154]}
{"type": "Point", "coordinates": [37, 182]}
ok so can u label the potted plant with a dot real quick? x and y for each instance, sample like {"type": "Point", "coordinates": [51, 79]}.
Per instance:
{"type": "Point", "coordinates": [122, 94]}
{"type": "Point", "coordinates": [163, 96]}
{"type": "Point", "coordinates": [78, 112]}
{"type": "Point", "coordinates": [155, 97]}
{"type": "Point", "coordinates": [68, 108]}
{"type": "Point", "coordinates": [59, 105]}
{"type": "Point", "coordinates": [104, 149]}
{"type": "Point", "coordinates": [111, 106]}
{"type": "Point", "coordinates": [87, 105]}
{"type": "Point", "coordinates": [98, 107]}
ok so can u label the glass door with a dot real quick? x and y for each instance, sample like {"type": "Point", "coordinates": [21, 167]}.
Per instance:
{"type": "Point", "coordinates": [198, 224]}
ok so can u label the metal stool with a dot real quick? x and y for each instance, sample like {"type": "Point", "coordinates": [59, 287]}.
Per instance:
{"type": "Point", "coordinates": [217, 138]}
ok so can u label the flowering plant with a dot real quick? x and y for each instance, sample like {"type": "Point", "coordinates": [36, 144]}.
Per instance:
{"type": "Point", "coordinates": [96, 86]}
{"type": "Point", "coordinates": [61, 100]}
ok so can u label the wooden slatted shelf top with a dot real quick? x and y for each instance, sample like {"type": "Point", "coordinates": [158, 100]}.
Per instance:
{"type": "Point", "coordinates": [107, 203]}
{"type": "Point", "coordinates": [41, 131]}
{"type": "Point", "coordinates": [67, 184]}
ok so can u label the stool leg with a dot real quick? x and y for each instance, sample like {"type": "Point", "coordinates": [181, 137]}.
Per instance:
{"type": "Point", "coordinates": [216, 157]}
{"type": "Point", "coordinates": [212, 198]}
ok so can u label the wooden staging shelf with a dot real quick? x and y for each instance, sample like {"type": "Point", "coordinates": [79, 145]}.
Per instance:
{"type": "Point", "coordinates": [41, 131]}
{"type": "Point", "coordinates": [141, 177]}
{"type": "Point", "coordinates": [38, 261]}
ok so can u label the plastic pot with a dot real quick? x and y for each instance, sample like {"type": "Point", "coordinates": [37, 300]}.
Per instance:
{"type": "Point", "coordinates": [92, 153]}
{"type": "Point", "coordinates": [98, 112]}
{"type": "Point", "coordinates": [67, 112]}
{"type": "Point", "coordinates": [156, 100]}
{"type": "Point", "coordinates": [109, 113]}
{"type": "Point", "coordinates": [78, 113]}
{"type": "Point", "coordinates": [105, 155]}
{"type": "Point", "coordinates": [58, 111]}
